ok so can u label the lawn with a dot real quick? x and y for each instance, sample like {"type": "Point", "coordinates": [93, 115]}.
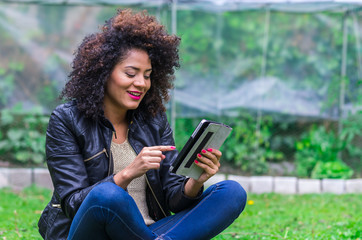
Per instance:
{"type": "Point", "coordinates": [266, 216]}
{"type": "Point", "coordinates": [309, 216]}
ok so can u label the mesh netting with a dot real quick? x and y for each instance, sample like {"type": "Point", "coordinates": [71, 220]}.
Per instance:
{"type": "Point", "coordinates": [265, 59]}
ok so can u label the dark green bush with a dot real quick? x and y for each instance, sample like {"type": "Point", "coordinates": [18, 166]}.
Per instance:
{"type": "Point", "coordinates": [318, 153]}
{"type": "Point", "coordinates": [22, 136]}
{"type": "Point", "coordinates": [248, 148]}
{"type": "Point", "coordinates": [317, 145]}
{"type": "Point", "coordinates": [335, 169]}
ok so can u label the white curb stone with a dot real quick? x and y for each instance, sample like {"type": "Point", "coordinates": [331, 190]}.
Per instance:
{"type": "Point", "coordinates": [285, 185]}
{"type": "Point", "coordinates": [215, 179]}
{"type": "Point", "coordinates": [42, 178]}
{"type": "Point", "coordinates": [19, 178]}
{"type": "Point", "coordinates": [354, 186]}
{"type": "Point", "coordinates": [336, 186]}
{"type": "Point", "coordinates": [309, 186]}
{"type": "Point", "coordinates": [261, 184]}
{"type": "Point", "coordinates": [4, 177]}
{"type": "Point", "coordinates": [244, 181]}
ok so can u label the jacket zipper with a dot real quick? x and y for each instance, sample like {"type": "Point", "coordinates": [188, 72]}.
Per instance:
{"type": "Point", "coordinates": [110, 162]}
{"type": "Point", "coordinates": [154, 195]}
{"type": "Point", "coordinates": [54, 205]}
{"type": "Point", "coordinates": [94, 156]}
{"type": "Point", "coordinates": [110, 155]}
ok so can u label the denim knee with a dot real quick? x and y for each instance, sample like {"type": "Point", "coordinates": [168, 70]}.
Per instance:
{"type": "Point", "coordinates": [235, 194]}
{"type": "Point", "coordinates": [108, 195]}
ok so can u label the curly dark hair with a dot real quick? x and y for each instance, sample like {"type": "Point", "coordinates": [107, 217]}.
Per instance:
{"type": "Point", "coordinates": [97, 55]}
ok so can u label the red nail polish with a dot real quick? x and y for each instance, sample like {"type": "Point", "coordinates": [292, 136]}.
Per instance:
{"type": "Point", "coordinates": [198, 155]}
{"type": "Point", "coordinates": [209, 149]}
{"type": "Point", "coordinates": [196, 161]}
{"type": "Point", "coordinates": [203, 151]}
{"type": "Point", "coordinates": [172, 147]}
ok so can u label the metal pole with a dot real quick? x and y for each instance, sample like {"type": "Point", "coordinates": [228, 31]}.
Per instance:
{"type": "Point", "coordinates": [263, 63]}
{"type": "Point", "coordinates": [343, 73]}
{"type": "Point", "coordinates": [219, 27]}
{"type": "Point", "coordinates": [358, 45]}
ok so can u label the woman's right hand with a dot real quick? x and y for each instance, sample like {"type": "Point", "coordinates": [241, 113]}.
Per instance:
{"type": "Point", "coordinates": [148, 158]}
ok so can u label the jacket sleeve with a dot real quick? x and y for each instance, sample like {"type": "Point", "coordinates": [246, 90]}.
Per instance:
{"type": "Point", "coordinates": [65, 162]}
{"type": "Point", "coordinates": [173, 184]}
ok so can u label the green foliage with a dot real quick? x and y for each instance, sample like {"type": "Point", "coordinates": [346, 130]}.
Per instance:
{"type": "Point", "coordinates": [22, 136]}
{"type": "Point", "coordinates": [314, 146]}
{"type": "Point", "coordinates": [318, 154]}
{"type": "Point", "coordinates": [7, 80]}
{"type": "Point", "coordinates": [351, 141]}
{"type": "Point", "coordinates": [245, 147]}
{"type": "Point", "coordinates": [226, 48]}
{"type": "Point", "coordinates": [333, 169]}
{"type": "Point", "coordinates": [303, 53]}
{"type": "Point", "coordinates": [250, 149]}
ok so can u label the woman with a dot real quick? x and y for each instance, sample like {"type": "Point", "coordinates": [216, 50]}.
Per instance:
{"type": "Point", "coordinates": [110, 147]}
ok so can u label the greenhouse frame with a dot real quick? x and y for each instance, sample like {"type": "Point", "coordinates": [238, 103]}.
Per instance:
{"type": "Point", "coordinates": [298, 61]}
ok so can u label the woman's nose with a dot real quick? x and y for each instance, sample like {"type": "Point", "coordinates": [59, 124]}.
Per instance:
{"type": "Point", "coordinates": [140, 82]}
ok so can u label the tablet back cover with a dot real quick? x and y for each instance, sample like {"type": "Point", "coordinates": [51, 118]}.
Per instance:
{"type": "Point", "coordinates": [213, 136]}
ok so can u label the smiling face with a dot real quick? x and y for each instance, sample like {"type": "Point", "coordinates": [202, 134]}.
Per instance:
{"type": "Point", "coordinates": [129, 82]}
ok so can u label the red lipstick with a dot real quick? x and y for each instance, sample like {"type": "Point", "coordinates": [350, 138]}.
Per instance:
{"type": "Point", "coordinates": [135, 95]}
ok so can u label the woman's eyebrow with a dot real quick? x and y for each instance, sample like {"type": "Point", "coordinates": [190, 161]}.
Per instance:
{"type": "Point", "coordinates": [138, 69]}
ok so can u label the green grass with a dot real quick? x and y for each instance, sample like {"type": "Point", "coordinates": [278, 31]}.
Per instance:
{"type": "Point", "coordinates": [19, 212]}
{"type": "Point", "coordinates": [310, 216]}
{"type": "Point", "coordinates": [266, 216]}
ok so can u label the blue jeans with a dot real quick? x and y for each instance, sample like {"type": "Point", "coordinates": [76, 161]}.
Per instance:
{"type": "Point", "coordinates": [109, 212]}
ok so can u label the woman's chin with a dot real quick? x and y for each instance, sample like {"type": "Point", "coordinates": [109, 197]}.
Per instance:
{"type": "Point", "coordinates": [133, 106]}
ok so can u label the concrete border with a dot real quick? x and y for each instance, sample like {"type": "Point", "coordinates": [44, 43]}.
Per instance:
{"type": "Point", "coordinates": [19, 178]}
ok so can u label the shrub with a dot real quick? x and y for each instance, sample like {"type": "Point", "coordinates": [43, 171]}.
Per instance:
{"type": "Point", "coordinates": [22, 135]}
{"type": "Point", "coordinates": [335, 169]}
{"type": "Point", "coordinates": [318, 153]}
{"type": "Point", "coordinates": [250, 149]}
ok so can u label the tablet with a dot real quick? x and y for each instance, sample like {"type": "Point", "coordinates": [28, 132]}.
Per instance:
{"type": "Point", "coordinates": [208, 134]}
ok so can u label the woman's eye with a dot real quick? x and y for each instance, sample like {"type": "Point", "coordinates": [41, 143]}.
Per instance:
{"type": "Point", "coordinates": [130, 75]}
{"type": "Point", "coordinates": [147, 77]}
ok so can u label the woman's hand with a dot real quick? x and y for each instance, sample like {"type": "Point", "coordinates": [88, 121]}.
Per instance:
{"type": "Point", "coordinates": [209, 161]}
{"type": "Point", "coordinates": [148, 158]}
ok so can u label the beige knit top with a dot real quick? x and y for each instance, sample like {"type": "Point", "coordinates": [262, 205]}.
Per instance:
{"type": "Point", "coordinates": [123, 155]}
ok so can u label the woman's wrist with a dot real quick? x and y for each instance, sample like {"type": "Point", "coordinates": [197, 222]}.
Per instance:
{"type": "Point", "coordinates": [192, 188]}
{"type": "Point", "coordinates": [122, 178]}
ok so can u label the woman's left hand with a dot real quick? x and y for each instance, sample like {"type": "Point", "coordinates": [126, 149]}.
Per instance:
{"type": "Point", "coordinates": [208, 160]}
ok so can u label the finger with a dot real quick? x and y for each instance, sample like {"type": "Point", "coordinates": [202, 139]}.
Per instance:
{"type": "Point", "coordinates": [155, 159]}
{"type": "Point", "coordinates": [209, 170]}
{"type": "Point", "coordinates": [152, 153]}
{"type": "Point", "coordinates": [162, 148]}
{"type": "Point", "coordinates": [211, 162]}
{"type": "Point", "coordinates": [210, 156]}
{"type": "Point", "coordinates": [216, 152]}
{"type": "Point", "coordinates": [154, 166]}
{"type": "Point", "coordinates": [150, 165]}
{"type": "Point", "coordinates": [150, 159]}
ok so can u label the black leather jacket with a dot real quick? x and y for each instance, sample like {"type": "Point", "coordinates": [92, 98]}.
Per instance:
{"type": "Point", "coordinates": [79, 157]}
